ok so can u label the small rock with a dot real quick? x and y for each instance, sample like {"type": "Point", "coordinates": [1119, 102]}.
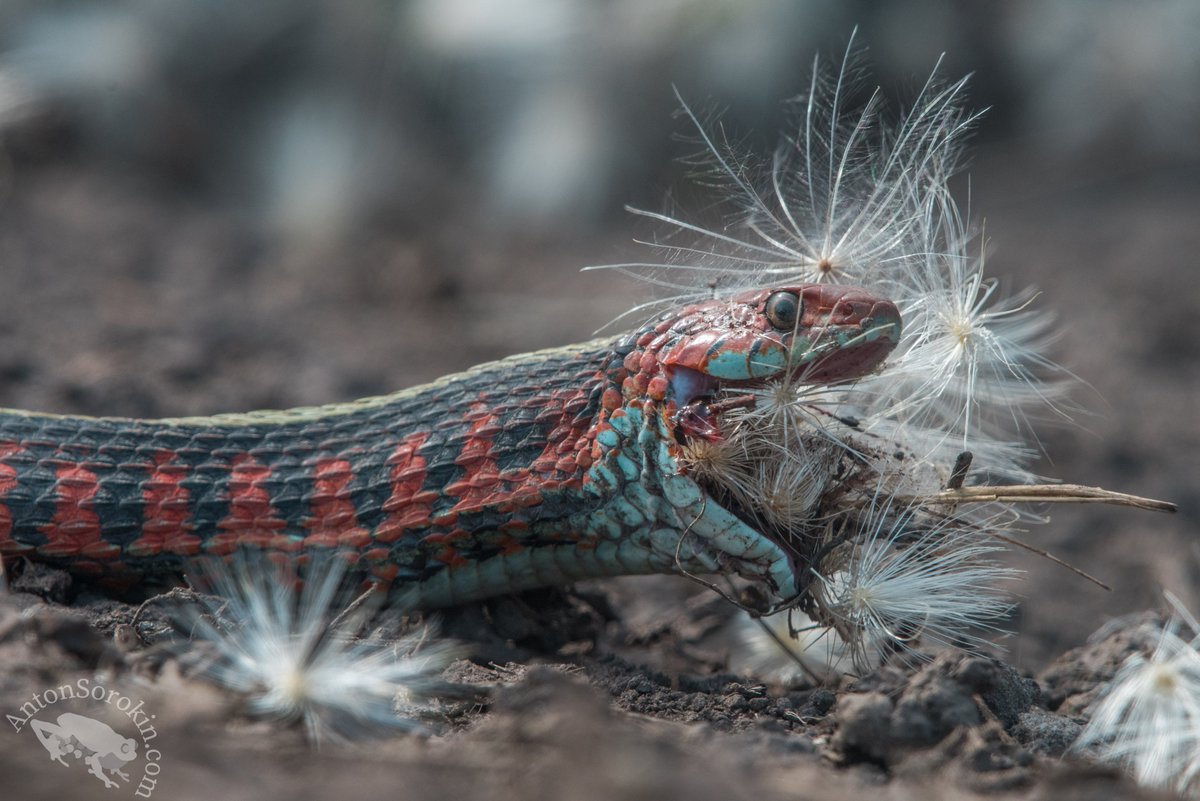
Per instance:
{"type": "Point", "coordinates": [736, 703]}
{"type": "Point", "coordinates": [759, 704]}
{"type": "Point", "coordinates": [1006, 692]}
{"type": "Point", "coordinates": [865, 725]}
{"type": "Point", "coordinates": [1045, 733]}
{"type": "Point", "coordinates": [934, 704]}
{"type": "Point", "coordinates": [1075, 678]}
{"type": "Point", "coordinates": [43, 581]}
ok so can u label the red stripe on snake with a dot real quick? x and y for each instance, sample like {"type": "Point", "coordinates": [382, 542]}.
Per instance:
{"type": "Point", "coordinates": [334, 519]}
{"type": "Point", "coordinates": [166, 513]}
{"type": "Point", "coordinates": [252, 519]}
{"type": "Point", "coordinates": [75, 529]}
{"type": "Point", "coordinates": [8, 480]}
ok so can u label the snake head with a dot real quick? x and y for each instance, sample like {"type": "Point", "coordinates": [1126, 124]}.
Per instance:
{"type": "Point", "coordinates": [809, 334]}
{"type": "Point", "coordinates": [668, 384]}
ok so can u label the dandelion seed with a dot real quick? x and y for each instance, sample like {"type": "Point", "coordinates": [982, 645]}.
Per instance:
{"type": "Point", "coordinates": [725, 464]}
{"type": "Point", "coordinates": [972, 363]}
{"type": "Point", "coordinates": [1148, 718]}
{"type": "Point", "coordinates": [787, 489]}
{"type": "Point", "coordinates": [904, 577]}
{"type": "Point", "coordinates": [843, 199]}
{"type": "Point", "coordinates": [281, 654]}
{"type": "Point", "coordinates": [786, 412]}
{"type": "Point", "coordinates": [854, 197]}
{"type": "Point", "coordinates": [779, 407]}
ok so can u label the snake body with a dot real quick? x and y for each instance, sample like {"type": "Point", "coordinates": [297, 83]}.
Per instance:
{"type": "Point", "coordinates": [534, 470]}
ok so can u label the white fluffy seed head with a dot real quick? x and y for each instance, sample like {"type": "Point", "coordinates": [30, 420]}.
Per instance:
{"type": "Point", "coordinates": [845, 198]}
{"type": "Point", "coordinates": [856, 196]}
{"type": "Point", "coordinates": [903, 575]}
{"type": "Point", "coordinates": [774, 459]}
{"type": "Point", "coordinates": [840, 201]}
{"type": "Point", "coordinates": [1147, 720]}
{"type": "Point", "coordinates": [853, 195]}
{"type": "Point", "coordinates": [727, 463]}
{"type": "Point", "coordinates": [788, 491]}
{"type": "Point", "coordinates": [273, 645]}
{"type": "Point", "coordinates": [972, 361]}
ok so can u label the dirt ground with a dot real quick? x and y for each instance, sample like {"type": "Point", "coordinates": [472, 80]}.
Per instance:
{"type": "Point", "coordinates": [121, 297]}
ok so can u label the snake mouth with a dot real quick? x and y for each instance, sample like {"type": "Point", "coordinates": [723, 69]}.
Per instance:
{"type": "Point", "coordinates": [697, 414]}
{"type": "Point", "coordinates": [688, 385]}
{"type": "Point", "coordinates": [773, 478]}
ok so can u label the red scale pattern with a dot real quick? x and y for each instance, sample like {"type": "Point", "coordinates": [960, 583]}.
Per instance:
{"type": "Point", "coordinates": [334, 520]}
{"type": "Point", "coordinates": [252, 519]}
{"type": "Point", "coordinates": [408, 506]}
{"type": "Point", "coordinates": [75, 529]}
{"type": "Point", "coordinates": [567, 454]}
{"type": "Point", "coordinates": [8, 480]}
{"type": "Point", "coordinates": [166, 518]}
{"type": "Point", "coordinates": [480, 485]}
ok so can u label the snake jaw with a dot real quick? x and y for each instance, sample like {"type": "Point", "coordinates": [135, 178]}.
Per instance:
{"type": "Point", "coordinates": [695, 416]}
{"type": "Point", "coordinates": [687, 385]}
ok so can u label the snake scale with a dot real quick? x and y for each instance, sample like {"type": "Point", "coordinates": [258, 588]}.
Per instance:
{"type": "Point", "coordinates": [534, 470]}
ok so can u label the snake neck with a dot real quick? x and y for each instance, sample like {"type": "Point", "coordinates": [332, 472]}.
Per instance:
{"type": "Point", "coordinates": [434, 476]}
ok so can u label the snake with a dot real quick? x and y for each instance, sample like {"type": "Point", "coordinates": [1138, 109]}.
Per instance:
{"type": "Point", "coordinates": [534, 470]}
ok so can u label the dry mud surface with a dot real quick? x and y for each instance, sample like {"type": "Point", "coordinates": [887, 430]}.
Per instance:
{"type": "Point", "coordinates": [119, 298]}
{"type": "Point", "coordinates": [559, 702]}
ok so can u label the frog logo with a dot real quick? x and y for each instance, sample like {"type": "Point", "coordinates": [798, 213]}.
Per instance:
{"type": "Point", "coordinates": [71, 738]}
{"type": "Point", "coordinates": [101, 748]}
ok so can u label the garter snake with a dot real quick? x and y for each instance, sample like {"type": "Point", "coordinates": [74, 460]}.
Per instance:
{"type": "Point", "coordinates": [533, 470]}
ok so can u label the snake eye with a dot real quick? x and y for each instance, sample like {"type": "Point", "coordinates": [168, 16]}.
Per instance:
{"type": "Point", "coordinates": [783, 310]}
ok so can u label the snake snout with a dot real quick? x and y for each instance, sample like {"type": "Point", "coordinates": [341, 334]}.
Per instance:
{"type": "Point", "coordinates": [882, 321]}
{"type": "Point", "coordinates": [858, 331]}
{"type": "Point", "coordinates": [849, 311]}
{"type": "Point", "coordinates": [850, 306]}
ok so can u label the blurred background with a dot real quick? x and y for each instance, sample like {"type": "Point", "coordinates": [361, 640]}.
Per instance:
{"type": "Point", "coordinates": [212, 205]}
